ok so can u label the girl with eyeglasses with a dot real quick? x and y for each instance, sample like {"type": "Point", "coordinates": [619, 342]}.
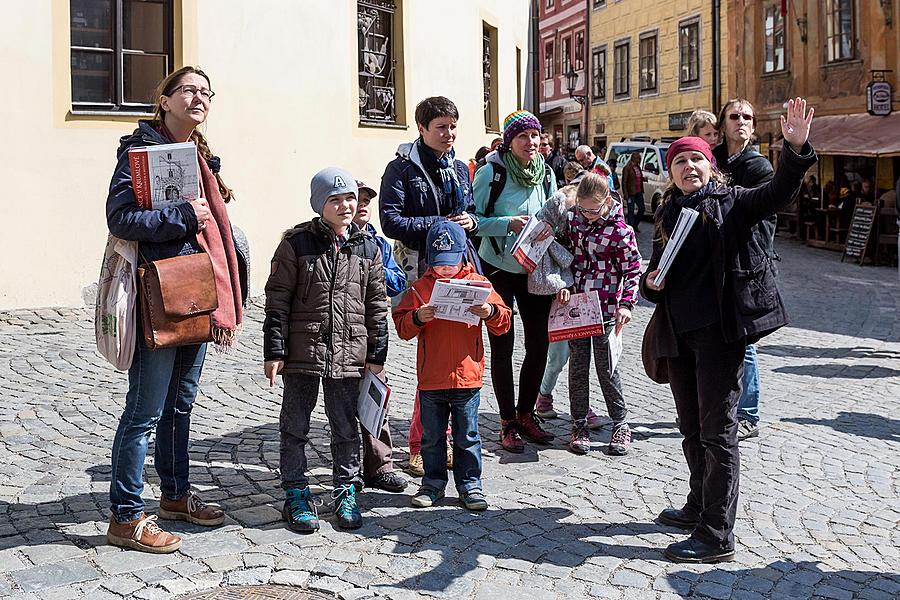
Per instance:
{"type": "Point", "coordinates": [607, 260]}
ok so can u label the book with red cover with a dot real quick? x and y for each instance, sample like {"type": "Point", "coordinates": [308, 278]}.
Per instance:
{"type": "Point", "coordinates": [164, 174]}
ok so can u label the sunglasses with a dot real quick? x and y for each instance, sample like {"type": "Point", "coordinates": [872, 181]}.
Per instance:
{"type": "Point", "coordinates": [744, 116]}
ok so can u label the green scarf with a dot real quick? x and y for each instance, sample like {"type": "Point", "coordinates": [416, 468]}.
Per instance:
{"type": "Point", "coordinates": [528, 176]}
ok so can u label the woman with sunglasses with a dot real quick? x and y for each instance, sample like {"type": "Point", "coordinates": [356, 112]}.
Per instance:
{"type": "Point", "coordinates": [710, 304]}
{"type": "Point", "coordinates": [163, 383]}
{"type": "Point", "coordinates": [607, 261]}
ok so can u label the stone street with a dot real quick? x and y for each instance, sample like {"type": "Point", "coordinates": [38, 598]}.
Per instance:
{"type": "Point", "coordinates": [819, 513]}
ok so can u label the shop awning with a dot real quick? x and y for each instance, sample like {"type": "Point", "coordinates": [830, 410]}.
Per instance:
{"type": "Point", "coordinates": [855, 135]}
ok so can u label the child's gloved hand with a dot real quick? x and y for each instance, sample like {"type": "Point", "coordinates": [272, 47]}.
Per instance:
{"type": "Point", "coordinates": [272, 368]}
{"type": "Point", "coordinates": [482, 312]}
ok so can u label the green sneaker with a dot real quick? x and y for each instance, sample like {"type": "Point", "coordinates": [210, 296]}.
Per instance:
{"type": "Point", "coordinates": [300, 511]}
{"type": "Point", "coordinates": [345, 507]}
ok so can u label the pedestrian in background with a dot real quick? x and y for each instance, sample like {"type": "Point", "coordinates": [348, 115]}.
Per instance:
{"type": "Point", "coordinates": [503, 211]}
{"type": "Point", "coordinates": [163, 383]}
{"type": "Point", "coordinates": [325, 326]}
{"type": "Point", "coordinates": [449, 373]}
{"type": "Point", "coordinates": [425, 183]}
{"type": "Point", "coordinates": [377, 455]}
{"type": "Point", "coordinates": [633, 188]}
{"type": "Point", "coordinates": [710, 305]}
{"type": "Point", "coordinates": [737, 158]}
{"type": "Point", "coordinates": [607, 261]}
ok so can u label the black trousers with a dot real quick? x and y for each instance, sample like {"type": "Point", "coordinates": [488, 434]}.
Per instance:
{"type": "Point", "coordinates": [534, 311]}
{"type": "Point", "coordinates": [706, 381]}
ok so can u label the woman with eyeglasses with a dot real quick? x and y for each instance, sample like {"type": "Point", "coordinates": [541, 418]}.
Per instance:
{"type": "Point", "coordinates": [509, 190]}
{"type": "Point", "coordinates": [710, 305]}
{"type": "Point", "coordinates": [607, 260]}
{"type": "Point", "coordinates": [163, 383]}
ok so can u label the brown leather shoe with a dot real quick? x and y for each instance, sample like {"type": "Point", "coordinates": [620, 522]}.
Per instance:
{"type": "Point", "coordinates": [192, 509]}
{"type": "Point", "coordinates": [509, 437]}
{"type": "Point", "coordinates": [531, 430]}
{"type": "Point", "coordinates": [142, 534]}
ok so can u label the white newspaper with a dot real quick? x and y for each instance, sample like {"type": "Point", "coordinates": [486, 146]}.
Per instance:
{"type": "Point", "coordinates": [686, 219]}
{"type": "Point", "coordinates": [372, 405]}
{"type": "Point", "coordinates": [452, 299]}
{"type": "Point", "coordinates": [527, 250]}
{"type": "Point", "coordinates": [615, 348]}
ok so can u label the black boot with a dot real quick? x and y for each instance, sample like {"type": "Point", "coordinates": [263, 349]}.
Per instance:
{"type": "Point", "coordinates": [693, 550]}
{"type": "Point", "coordinates": [679, 517]}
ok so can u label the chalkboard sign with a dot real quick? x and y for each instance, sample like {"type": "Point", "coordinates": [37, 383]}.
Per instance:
{"type": "Point", "coordinates": [859, 233]}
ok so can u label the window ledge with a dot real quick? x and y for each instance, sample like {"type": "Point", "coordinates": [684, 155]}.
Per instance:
{"type": "Point", "coordinates": [598, 101]}
{"type": "Point", "coordinates": [493, 131]}
{"type": "Point", "coordinates": [844, 62]}
{"type": "Point", "coordinates": [377, 125]}
{"type": "Point", "coordinates": [109, 113]}
{"type": "Point", "coordinates": [783, 73]}
{"type": "Point", "coordinates": [623, 98]}
{"type": "Point", "coordinates": [689, 87]}
{"type": "Point", "coordinates": [649, 94]}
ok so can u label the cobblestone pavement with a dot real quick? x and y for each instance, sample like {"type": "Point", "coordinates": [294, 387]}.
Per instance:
{"type": "Point", "coordinates": [819, 506]}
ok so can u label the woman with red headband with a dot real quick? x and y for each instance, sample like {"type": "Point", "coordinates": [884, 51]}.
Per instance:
{"type": "Point", "coordinates": [713, 301]}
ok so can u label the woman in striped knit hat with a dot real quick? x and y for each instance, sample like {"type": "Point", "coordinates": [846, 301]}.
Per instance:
{"type": "Point", "coordinates": [511, 187]}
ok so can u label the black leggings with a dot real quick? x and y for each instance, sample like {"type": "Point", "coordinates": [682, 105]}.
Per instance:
{"type": "Point", "coordinates": [534, 311]}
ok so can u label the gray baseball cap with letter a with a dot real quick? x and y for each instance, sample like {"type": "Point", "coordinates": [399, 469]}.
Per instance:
{"type": "Point", "coordinates": [330, 182]}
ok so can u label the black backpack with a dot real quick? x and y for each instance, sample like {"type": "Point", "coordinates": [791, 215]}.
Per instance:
{"type": "Point", "coordinates": [498, 182]}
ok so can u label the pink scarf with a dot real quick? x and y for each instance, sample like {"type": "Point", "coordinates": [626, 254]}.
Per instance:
{"type": "Point", "coordinates": [216, 240]}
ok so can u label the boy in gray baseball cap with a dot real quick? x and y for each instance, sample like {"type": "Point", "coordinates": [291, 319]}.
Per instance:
{"type": "Point", "coordinates": [325, 325]}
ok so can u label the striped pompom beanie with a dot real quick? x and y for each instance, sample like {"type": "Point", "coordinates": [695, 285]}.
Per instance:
{"type": "Point", "coordinates": [518, 122]}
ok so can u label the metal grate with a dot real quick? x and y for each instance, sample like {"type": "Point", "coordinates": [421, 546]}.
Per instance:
{"type": "Point", "coordinates": [257, 592]}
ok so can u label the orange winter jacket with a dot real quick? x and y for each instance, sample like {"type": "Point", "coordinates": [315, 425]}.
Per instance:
{"type": "Point", "coordinates": [450, 354]}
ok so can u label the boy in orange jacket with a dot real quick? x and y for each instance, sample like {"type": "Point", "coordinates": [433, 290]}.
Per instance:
{"type": "Point", "coordinates": [451, 379]}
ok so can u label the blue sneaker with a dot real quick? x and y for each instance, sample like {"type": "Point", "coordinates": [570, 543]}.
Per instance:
{"type": "Point", "coordinates": [299, 511]}
{"type": "Point", "coordinates": [345, 507]}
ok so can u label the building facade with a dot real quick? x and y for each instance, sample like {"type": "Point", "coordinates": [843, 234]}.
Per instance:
{"type": "Point", "coordinates": [562, 49]}
{"type": "Point", "coordinates": [299, 86]}
{"type": "Point", "coordinates": [827, 51]}
{"type": "Point", "coordinates": [652, 64]}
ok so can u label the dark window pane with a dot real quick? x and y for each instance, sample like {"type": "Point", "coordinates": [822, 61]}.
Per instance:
{"type": "Point", "coordinates": [141, 74]}
{"type": "Point", "coordinates": [92, 23]}
{"type": "Point", "coordinates": [144, 26]}
{"type": "Point", "coordinates": [375, 26]}
{"type": "Point", "coordinates": [92, 78]}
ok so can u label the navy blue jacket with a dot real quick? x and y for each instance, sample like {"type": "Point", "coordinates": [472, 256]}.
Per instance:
{"type": "Point", "coordinates": [408, 204]}
{"type": "Point", "coordinates": [160, 233]}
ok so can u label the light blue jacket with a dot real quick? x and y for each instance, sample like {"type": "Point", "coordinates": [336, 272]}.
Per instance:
{"type": "Point", "coordinates": [514, 201]}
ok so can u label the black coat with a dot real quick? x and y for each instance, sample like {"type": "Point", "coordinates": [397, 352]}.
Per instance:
{"type": "Point", "coordinates": [749, 170]}
{"type": "Point", "coordinates": [750, 305]}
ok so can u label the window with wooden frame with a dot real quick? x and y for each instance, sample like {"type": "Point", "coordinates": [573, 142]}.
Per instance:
{"type": "Point", "coordinates": [378, 56]}
{"type": "Point", "coordinates": [648, 64]}
{"type": "Point", "coordinates": [489, 77]}
{"type": "Point", "coordinates": [598, 75]}
{"type": "Point", "coordinates": [566, 55]}
{"type": "Point", "coordinates": [120, 50]}
{"type": "Point", "coordinates": [840, 29]}
{"type": "Point", "coordinates": [773, 29]}
{"type": "Point", "coordinates": [621, 70]}
{"type": "Point", "coordinates": [579, 50]}
{"type": "Point", "coordinates": [689, 53]}
{"type": "Point", "coordinates": [548, 60]}
{"type": "Point", "coordinates": [599, 3]}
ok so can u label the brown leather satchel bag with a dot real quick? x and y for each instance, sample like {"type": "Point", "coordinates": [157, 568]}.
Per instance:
{"type": "Point", "coordinates": [178, 297]}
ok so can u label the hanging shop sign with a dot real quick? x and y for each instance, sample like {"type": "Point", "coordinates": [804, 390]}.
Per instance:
{"type": "Point", "coordinates": [879, 97]}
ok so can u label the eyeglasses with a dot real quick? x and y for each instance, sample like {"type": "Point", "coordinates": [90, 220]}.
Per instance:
{"type": "Point", "coordinates": [744, 116]}
{"type": "Point", "coordinates": [192, 90]}
{"type": "Point", "coordinates": [589, 211]}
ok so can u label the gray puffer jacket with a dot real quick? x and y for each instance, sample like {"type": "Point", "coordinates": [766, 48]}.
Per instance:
{"type": "Point", "coordinates": [326, 308]}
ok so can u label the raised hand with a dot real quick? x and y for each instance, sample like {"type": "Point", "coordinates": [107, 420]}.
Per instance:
{"type": "Point", "coordinates": [795, 125]}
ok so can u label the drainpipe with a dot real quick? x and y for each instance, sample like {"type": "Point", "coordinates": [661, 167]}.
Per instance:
{"type": "Point", "coordinates": [716, 56]}
{"type": "Point", "coordinates": [586, 107]}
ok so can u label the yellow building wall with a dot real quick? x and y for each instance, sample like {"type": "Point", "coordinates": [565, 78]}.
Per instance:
{"type": "Point", "coordinates": [650, 115]}
{"type": "Point", "coordinates": [285, 76]}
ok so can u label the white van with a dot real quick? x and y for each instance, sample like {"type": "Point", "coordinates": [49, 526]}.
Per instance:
{"type": "Point", "coordinates": [653, 166]}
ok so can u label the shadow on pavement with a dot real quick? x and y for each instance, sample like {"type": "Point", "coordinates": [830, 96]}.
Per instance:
{"type": "Point", "coordinates": [837, 370]}
{"type": "Point", "coordinates": [862, 424]}
{"type": "Point", "coordinates": [855, 352]}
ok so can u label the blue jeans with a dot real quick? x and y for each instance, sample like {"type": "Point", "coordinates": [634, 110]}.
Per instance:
{"type": "Point", "coordinates": [635, 209]}
{"type": "Point", "coordinates": [436, 406]}
{"type": "Point", "coordinates": [557, 357]}
{"type": "Point", "coordinates": [748, 405]}
{"type": "Point", "coordinates": [162, 386]}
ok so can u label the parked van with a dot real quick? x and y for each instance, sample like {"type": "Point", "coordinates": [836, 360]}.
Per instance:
{"type": "Point", "coordinates": [653, 166]}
